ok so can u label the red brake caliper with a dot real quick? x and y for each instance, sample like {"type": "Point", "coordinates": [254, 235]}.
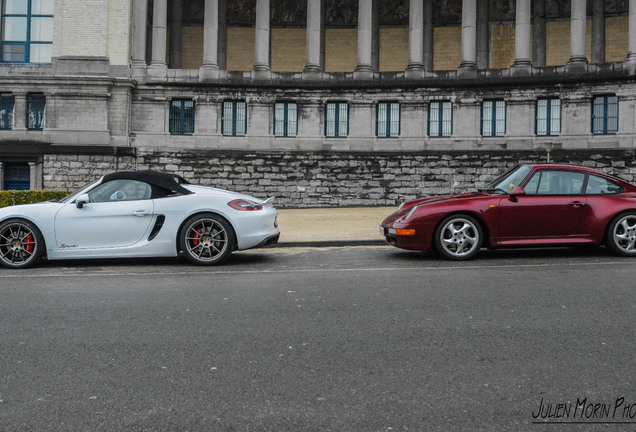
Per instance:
{"type": "Point", "coordinates": [196, 236]}
{"type": "Point", "coordinates": [29, 246]}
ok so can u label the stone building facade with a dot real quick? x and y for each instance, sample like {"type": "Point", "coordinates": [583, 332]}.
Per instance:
{"type": "Point", "coordinates": [321, 102]}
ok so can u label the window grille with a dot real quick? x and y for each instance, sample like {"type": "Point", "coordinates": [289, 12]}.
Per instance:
{"type": "Point", "coordinates": [548, 117]}
{"type": "Point", "coordinates": [36, 111]}
{"type": "Point", "coordinates": [388, 120]}
{"type": "Point", "coordinates": [7, 103]}
{"type": "Point", "coordinates": [234, 118]}
{"type": "Point", "coordinates": [440, 119]}
{"type": "Point", "coordinates": [337, 120]}
{"type": "Point", "coordinates": [605, 115]}
{"type": "Point", "coordinates": [182, 117]}
{"type": "Point", "coordinates": [493, 118]}
{"type": "Point", "coordinates": [285, 119]}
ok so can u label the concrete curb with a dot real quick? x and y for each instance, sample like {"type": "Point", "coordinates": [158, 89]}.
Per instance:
{"type": "Point", "coordinates": [329, 243]}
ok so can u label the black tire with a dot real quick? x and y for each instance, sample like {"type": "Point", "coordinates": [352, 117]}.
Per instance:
{"type": "Point", "coordinates": [621, 234]}
{"type": "Point", "coordinates": [458, 237]}
{"type": "Point", "coordinates": [207, 239]}
{"type": "Point", "coordinates": [21, 244]}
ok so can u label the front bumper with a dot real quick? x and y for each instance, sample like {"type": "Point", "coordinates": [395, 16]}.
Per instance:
{"type": "Point", "coordinates": [407, 237]}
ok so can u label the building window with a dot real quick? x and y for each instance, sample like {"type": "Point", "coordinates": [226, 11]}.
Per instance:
{"type": "Point", "coordinates": [27, 31]}
{"type": "Point", "coordinates": [17, 176]}
{"type": "Point", "coordinates": [387, 123]}
{"type": "Point", "coordinates": [605, 115]}
{"type": "Point", "coordinates": [7, 103]}
{"type": "Point", "coordinates": [337, 120]}
{"type": "Point", "coordinates": [285, 119]}
{"type": "Point", "coordinates": [36, 111]}
{"type": "Point", "coordinates": [548, 117]}
{"type": "Point", "coordinates": [182, 117]}
{"type": "Point", "coordinates": [234, 118]}
{"type": "Point", "coordinates": [440, 119]}
{"type": "Point", "coordinates": [493, 118]}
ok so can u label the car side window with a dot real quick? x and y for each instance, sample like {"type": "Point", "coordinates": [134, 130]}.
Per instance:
{"type": "Point", "coordinates": [554, 182]}
{"type": "Point", "coordinates": [600, 186]}
{"type": "Point", "coordinates": [120, 190]}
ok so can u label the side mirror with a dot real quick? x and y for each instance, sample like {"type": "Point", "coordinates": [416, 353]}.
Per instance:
{"type": "Point", "coordinates": [81, 200]}
{"type": "Point", "coordinates": [516, 192]}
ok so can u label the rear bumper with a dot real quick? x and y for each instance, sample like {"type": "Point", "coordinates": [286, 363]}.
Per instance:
{"type": "Point", "coordinates": [268, 241]}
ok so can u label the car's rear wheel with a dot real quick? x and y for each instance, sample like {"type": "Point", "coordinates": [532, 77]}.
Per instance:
{"type": "Point", "coordinates": [21, 244]}
{"type": "Point", "coordinates": [621, 234]}
{"type": "Point", "coordinates": [207, 239]}
{"type": "Point", "coordinates": [458, 237]}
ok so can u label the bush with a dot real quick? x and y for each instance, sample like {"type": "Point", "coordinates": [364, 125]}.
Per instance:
{"type": "Point", "coordinates": [12, 197]}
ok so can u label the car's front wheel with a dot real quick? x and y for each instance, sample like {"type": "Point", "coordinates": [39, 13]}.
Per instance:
{"type": "Point", "coordinates": [621, 234]}
{"type": "Point", "coordinates": [21, 244]}
{"type": "Point", "coordinates": [207, 239]}
{"type": "Point", "coordinates": [458, 237]}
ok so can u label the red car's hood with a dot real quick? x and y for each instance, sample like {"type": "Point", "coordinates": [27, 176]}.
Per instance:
{"type": "Point", "coordinates": [468, 195]}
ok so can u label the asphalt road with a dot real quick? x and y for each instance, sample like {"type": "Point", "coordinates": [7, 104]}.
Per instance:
{"type": "Point", "coordinates": [329, 339]}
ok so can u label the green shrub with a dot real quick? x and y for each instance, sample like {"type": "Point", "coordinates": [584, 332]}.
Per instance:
{"type": "Point", "coordinates": [12, 197]}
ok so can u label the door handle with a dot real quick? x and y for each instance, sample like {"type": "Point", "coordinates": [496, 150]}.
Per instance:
{"type": "Point", "coordinates": [141, 212]}
{"type": "Point", "coordinates": [576, 204]}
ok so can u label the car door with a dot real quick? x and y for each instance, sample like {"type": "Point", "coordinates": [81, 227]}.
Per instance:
{"type": "Point", "coordinates": [117, 214]}
{"type": "Point", "coordinates": [553, 209]}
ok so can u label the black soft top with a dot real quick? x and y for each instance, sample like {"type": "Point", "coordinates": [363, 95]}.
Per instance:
{"type": "Point", "coordinates": [171, 182]}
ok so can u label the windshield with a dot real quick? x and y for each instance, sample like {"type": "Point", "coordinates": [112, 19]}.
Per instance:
{"type": "Point", "coordinates": [74, 195]}
{"type": "Point", "coordinates": [509, 180]}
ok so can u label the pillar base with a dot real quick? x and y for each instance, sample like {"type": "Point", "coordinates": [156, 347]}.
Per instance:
{"type": "Point", "coordinates": [312, 68]}
{"type": "Point", "coordinates": [576, 64]}
{"type": "Point", "coordinates": [577, 60]}
{"type": "Point", "coordinates": [158, 71]}
{"type": "Point", "coordinates": [209, 72]}
{"type": "Point", "coordinates": [138, 69]}
{"type": "Point", "coordinates": [629, 64]}
{"type": "Point", "coordinates": [521, 67]}
{"type": "Point", "coordinates": [415, 72]}
{"type": "Point", "coordinates": [262, 68]}
{"type": "Point", "coordinates": [467, 69]}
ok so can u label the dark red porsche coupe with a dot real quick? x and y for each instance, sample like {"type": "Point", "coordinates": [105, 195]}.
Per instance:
{"type": "Point", "coordinates": [530, 205]}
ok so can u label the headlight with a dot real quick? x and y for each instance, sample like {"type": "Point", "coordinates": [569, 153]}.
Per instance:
{"type": "Point", "coordinates": [408, 216]}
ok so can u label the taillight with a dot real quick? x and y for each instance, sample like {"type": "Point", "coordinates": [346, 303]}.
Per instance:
{"type": "Point", "coordinates": [245, 205]}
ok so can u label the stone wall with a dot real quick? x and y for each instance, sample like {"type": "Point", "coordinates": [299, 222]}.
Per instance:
{"type": "Point", "coordinates": [329, 179]}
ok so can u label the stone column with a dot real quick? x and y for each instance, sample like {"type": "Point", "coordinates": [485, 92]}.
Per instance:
{"type": "Point", "coordinates": [416, 35]}
{"type": "Point", "coordinates": [631, 49]}
{"type": "Point", "coordinates": [598, 31]}
{"type": "Point", "coordinates": [140, 14]}
{"type": "Point", "coordinates": [522, 34]}
{"type": "Point", "coordinates": [32, 176]}
{"type": "Point", "coordinates": [469, 34]}
{"type": "Point", "coordinates": [578, 29]}
{"type": "Point", "coordinates": [368, 45]}
{"type": "Point", "coordinates": [483, 34]}
{"type": "Point", "coordinates": [428, 36]}
{"type": "Point", "coordinates": [315, 61]}
{"type": "Point", "coordinates": [158, 66]}
{"type": "Point", "coordinates": [19, 111]}
{"type": "Point", "coordinates": [263, 36]}
{"type": "Point", "coordinates": [176, 33]}
{"type": "Point", "coordinates": [538, 34]}
{"type": "Point", "coordinates": [210, 67]}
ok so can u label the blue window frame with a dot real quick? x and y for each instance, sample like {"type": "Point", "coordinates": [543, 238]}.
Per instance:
{"type": "Point", "coordinates": [605, 115]}
{"type": "Point", "coordinates": [285, 119]}
{"type": "Point", "coordinates": [182, 117]}
{"type": "Point", "coordinates": [337, 119]}
{"type": "Point", "coordinates": [17, 176]}
{"type": "Point", "coordinates": [234, 118]}
{"type": "Point", "coordinates": [387, 122]}
{"type": "Point", "coordinates": [493, 118]}
{"type": "Point", "coordinates": [440, 119]}
{"type": "Point", "coordinates": [36, 111]}
{"type": "Point", "coordinates": [7, 104]}
{"type": "Point", "coordinates": [26, 31]}
{"type": "Point", "coordinates": [548, 117]}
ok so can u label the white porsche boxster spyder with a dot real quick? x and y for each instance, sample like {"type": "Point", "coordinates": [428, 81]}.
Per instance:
{"type": "Point", "coordinates": [137, 214]}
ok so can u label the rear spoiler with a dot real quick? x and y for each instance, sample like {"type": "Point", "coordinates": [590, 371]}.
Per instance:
{"type": "Point", "coordinates": [268, 201]}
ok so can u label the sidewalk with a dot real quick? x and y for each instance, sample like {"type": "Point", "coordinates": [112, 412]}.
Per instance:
{"type": "Point", "coordinates": [331, 226]}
